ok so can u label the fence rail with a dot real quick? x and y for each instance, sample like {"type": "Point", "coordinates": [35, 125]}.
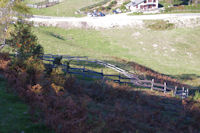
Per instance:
{"type": "Point", "coordinates": [131, 78]}
{"type": "Point", "coordinates": [43, 4]}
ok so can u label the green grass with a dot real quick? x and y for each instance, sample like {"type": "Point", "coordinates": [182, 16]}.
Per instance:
{"type": "Point", "coordinates": [65, 8]}
{"type": "Point", "coordinates": [174, 52]}
{"type": "Point", "coordinates": [183, 9]}
{"type": "Point", "coordinates": [14, 117]}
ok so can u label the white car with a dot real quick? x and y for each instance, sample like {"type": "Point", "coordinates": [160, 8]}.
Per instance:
{"type": "Point", "coordinates": [89, 14]}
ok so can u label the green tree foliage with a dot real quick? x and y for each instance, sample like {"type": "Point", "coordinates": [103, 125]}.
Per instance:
{"type": "Point", "coordinates": [24, 42]}
{"type": "Point", "coordinates": [8, 10]}
{"type": "Point", "coordinates": [177, 2]}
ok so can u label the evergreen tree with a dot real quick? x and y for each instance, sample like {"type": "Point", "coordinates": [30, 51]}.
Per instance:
{"type": "Point", "coordinates": [8, 10]}
{"type": "Point", "coordinates": [24, 42]}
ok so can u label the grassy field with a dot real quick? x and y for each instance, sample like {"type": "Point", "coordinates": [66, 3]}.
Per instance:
{"type": "Point", "coordinates": [65, 8]}
{"type": "Point", "coordinates": [174, 52]}
{"type": "Point", "coordinates": [14, 117]}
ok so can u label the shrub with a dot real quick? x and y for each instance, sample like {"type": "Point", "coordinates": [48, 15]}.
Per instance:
{"type": "Point", "coordinates": [137, 13]}
{"type": "Point", "coordinates": [161, 25]}
{"type": "Point", "coordinates": [4, 56]}
{"type": "Point", "coordinates": [125, 3]}
{"type": "Point", "coordinates": [197, 96]}
{"type": "Point", "coordinates": [122, 7]}
{"type": "Point", "coordinates": [24, 41]}
{"type": "Point", "coordinates": [113, 3]}
{"type": "Point", "coordinates": [57, 61]}
{"type": "Point", "coordinates": [101, 8]}
{"type": "Point", "coordinates": [4, 60]}
{"type": "Point", "coordinates": [107, 8]}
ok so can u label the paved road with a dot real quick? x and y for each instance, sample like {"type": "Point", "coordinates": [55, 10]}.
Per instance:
{"type": "Point", "coordinates": [110, 21]}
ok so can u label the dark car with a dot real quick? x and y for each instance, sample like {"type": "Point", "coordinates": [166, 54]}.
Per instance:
{"type": "Point", "coordinates": [115, 12]}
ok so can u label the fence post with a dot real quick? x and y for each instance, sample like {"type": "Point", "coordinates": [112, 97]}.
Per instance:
{"type": "Point", "coordinates": [187, 92]}
{"type": "Point", "coordinates": [175, 90]}
{"type": "Point", "coordinates": [152, 84]}
{"type": "Point", "coordinates": [119, 77]}
{"type": "Point", "coordinates": [183, 89]}
{"type": "Point", "coordinates": [182, 96]}
{"type": "Point", "coordinates": [102, 73]}
{"type": "Point", "coordinates": [165, 87]}
{"type": "Point", "coordinates": [84, 68]}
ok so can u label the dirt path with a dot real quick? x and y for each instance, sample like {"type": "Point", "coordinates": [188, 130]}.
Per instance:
{"type": "Point", "coordinates": [120, 20]}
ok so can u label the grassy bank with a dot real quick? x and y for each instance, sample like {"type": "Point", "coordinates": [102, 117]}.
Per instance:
{"type": "Point", "coordinates": [65, 8]}
{"type": "Point", "coordinates": [174, 52]}
{"type": "Point", "coordinates": [14, 117]}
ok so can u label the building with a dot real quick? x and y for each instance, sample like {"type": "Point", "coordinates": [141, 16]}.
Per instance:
{"type": "Point", "coordinates": [136, 5]}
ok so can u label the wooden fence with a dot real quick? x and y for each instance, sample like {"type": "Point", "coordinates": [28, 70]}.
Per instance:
{"type": "Point", "coordinates": [44, 4]}
{"type": "Point", "coordinates": [124, 77]}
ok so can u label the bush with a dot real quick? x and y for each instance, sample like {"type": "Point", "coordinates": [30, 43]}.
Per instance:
{"type": "Point", "coordinates": [24, 42]}
{"type": "Point", "coordinates": [78, 107]}
{"type": "Point", "coordinates": [161, 25]}
{"type": "Point", "coordinates": [4, 56]}
{"type": "Point", "coordinates": [137, 13]}
{"type": "Point", "coordinates": [197, 96]}
{"type": "Point", "coordinates": [4, 60]}
{"type": "Point", "coordinates": [101, 8]}
{"type": "Point", "coordinates": [113, 3]}
{"type": "Point", "coordinates": [108, 8]}
{"type": "Point", "coordinates": [122, 7]}
{"type": "Point", "coordinates": [57, 61]}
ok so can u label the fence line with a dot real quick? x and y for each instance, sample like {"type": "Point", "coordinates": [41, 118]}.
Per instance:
{"type": "Point", "coordinates": [43, 4]}
{"type": "Point", "coordinates": [132, 79]}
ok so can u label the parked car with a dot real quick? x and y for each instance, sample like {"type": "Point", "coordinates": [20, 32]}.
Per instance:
{"type": "Point", "coordinates": [89, 14]}
{"type": "Point", "coordinates": [115, 12]}
{"type": "Point", "coordinates": [100, 14]}
{"type": "Point", "coordinates": [95, 14]}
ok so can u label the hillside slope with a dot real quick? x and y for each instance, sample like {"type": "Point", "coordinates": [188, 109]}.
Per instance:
{"type": "Point", "coordinates": [170, 52]}
{"type": "Point", "coordinates": [65, 8]}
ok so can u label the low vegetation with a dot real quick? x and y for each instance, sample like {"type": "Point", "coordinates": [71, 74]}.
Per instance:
{"type": "Point", "coordinates": [64, 103]}
{"type": "Point", "coordinates": [57, 101]}
{"type": "Point", "coordinates": [14, 113]}
{"type": "Point", "coordinates": [160, 25]}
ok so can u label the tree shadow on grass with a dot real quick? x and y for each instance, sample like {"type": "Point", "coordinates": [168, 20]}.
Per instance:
{"type": "Point", "coordinates": [55, 35]}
